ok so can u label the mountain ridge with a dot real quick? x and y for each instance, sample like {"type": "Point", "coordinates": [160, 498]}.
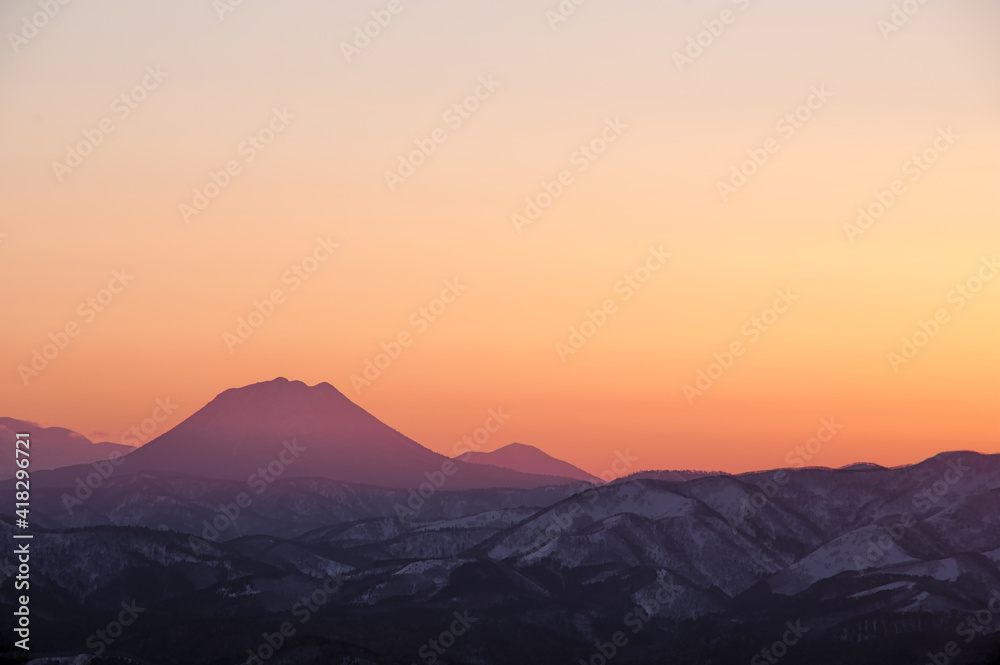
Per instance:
{"type": "Point", "coordinates": [54, 447]}
{"type": "Point", "coordinates": [528, 459]}
{"type": "Point", "coordinates": [288, 428]}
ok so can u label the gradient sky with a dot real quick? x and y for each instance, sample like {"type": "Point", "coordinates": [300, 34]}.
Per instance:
{"type": "Point", "coordinates": [656, 185]}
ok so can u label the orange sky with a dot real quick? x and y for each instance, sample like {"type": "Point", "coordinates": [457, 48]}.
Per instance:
{"type": "Point", "coordinates": [261, 111]}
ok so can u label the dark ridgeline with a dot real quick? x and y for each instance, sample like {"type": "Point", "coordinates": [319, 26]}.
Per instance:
{"type": "Point", "coordinates": [331, 560]}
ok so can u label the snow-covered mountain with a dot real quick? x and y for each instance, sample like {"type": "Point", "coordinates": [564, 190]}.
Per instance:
{"type": "Point", "coordinates": [871, 565]}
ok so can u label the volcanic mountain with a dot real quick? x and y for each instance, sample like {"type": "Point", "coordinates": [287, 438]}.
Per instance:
{"type": "Point", "coordinates": [528, 459]}
{"type": "Point", "coordinates": [290, 429]}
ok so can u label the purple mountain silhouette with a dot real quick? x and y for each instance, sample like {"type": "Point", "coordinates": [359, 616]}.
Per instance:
{"type": "Point", "coordinates": [529, 459]}
{"type": "Point", "coordinates": [52, 447]}
{"type": "Point", "coordinates": [290, 429]}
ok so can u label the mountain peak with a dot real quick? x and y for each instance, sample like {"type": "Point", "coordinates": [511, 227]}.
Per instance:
{"type": "Point", "coordinates": [862, 466]}
{"type": "Point", "coordinates": [301, 430]}
{"type": "Point", "coordinates": [280, 408]}
{"type": "Point", "coordinates": [281, 384]}
{"type": "Point", "coordinates": [529, 459]}
{"type": "Point", "coordinates": [520, 446]}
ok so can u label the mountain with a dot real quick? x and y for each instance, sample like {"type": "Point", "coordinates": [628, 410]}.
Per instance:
{"type": "Point", "coordinates": [862, 466]}
{"type": "Point", "coordinates": [52, 447]}
{"type": "Point", "coordinates": [834, 566]}
{"type": "Point", "coordinates": [529, 459]}
{"type": "Point", "coordinates": [287, 429]}
{"type": "Point", "coordinates": [673, 475]}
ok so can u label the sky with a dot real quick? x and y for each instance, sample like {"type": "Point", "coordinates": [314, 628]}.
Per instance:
{"type": "Point", "coordinates": [705, 235]}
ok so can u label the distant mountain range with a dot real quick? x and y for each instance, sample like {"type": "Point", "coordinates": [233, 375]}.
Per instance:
{"type": "Point", "coordinates": [57, 447]}
{"type": "Point", "coordinates": [870, 566]}
{"type": "Point", "coordinates": [241, 514]}
{"type": "Point", "coordinates": [528, 459]}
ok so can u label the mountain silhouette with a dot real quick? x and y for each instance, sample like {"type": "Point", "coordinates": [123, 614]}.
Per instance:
{"type": "Point", "coordinates": [283, 428]}
{"type": "Point", "coordinates": [52, 447]}
{"type": "Point", "coordinates": [529, 459]}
